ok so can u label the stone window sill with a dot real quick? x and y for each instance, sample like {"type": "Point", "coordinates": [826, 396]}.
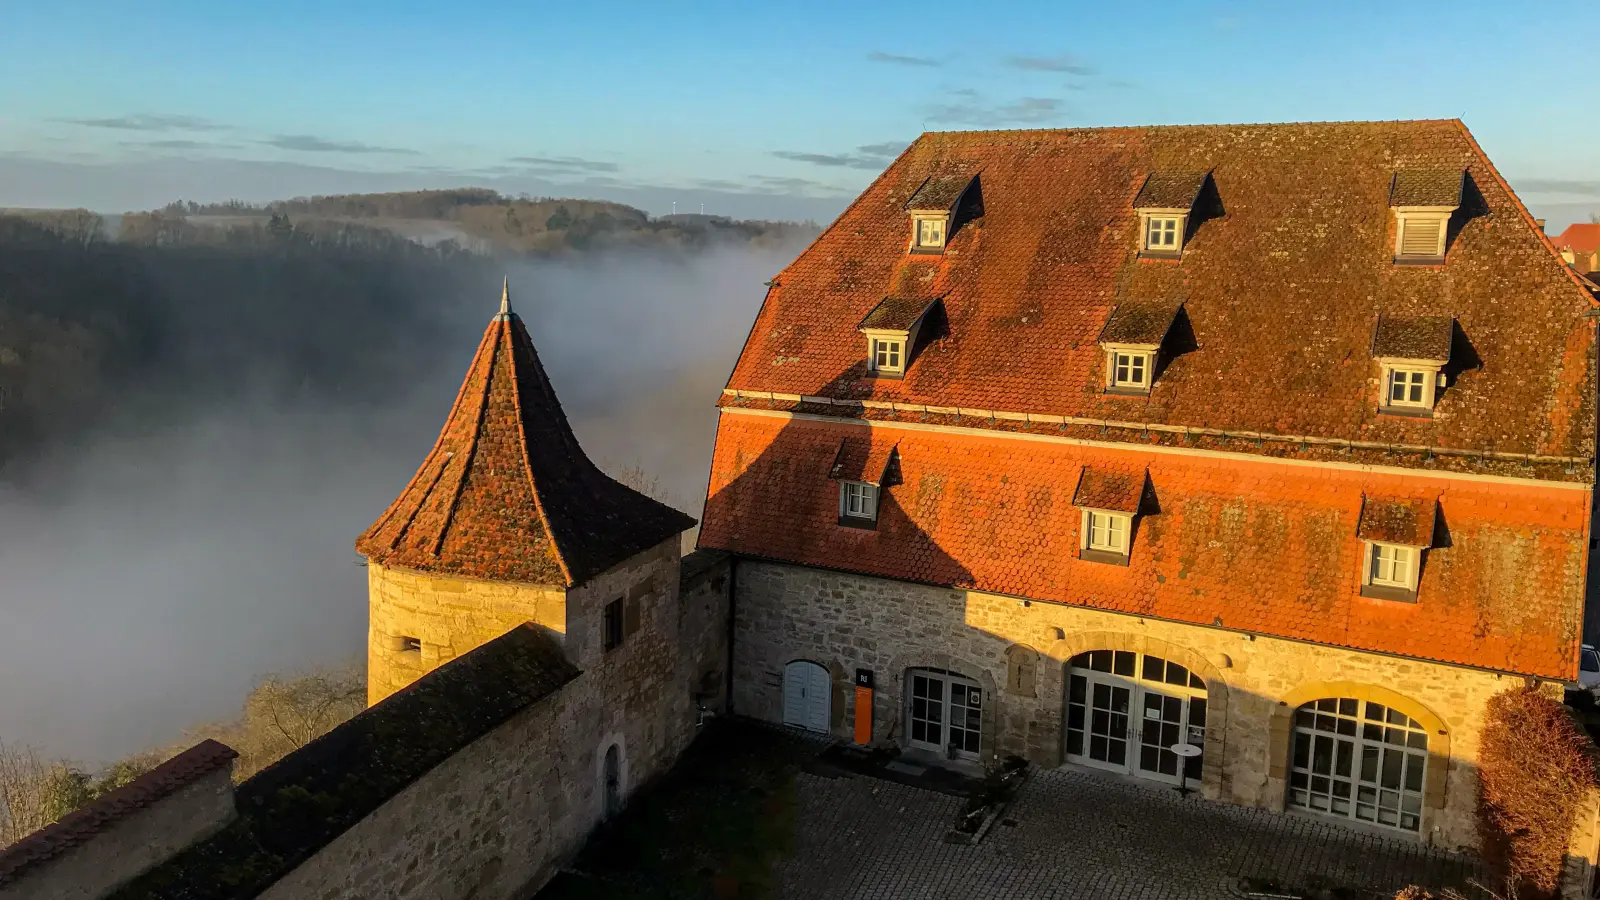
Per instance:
{"type": "Point", "coordinates": [858, 522]}
{"type": "Point", "coordinates": [1379, 592]}
{"type": "Point", "coordinates": [1103, 556]}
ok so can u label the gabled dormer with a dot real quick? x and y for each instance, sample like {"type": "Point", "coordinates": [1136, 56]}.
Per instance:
{"type": "Point", "coordinates": [863, 469]}
{"type": "Point", "coordinates": [892, 330]}
{"type": "Point", "coordinates": [1423, 201]}
{"type": "Point", "coordinates": [933, 210]}
{"type": "Point", "coordinates": [1411, 352]}
{"type": "Point", "coordinates": [1133, 340]}
{"type": "Point", "coordinates": [1165, 205]}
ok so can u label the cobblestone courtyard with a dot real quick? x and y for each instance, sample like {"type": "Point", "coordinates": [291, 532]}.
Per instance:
{"type": "Point", "coordinates": [1071, 834]}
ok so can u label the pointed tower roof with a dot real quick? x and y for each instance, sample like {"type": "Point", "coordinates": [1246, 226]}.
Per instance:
{"type": "Point", "coordinates": [507, 493]}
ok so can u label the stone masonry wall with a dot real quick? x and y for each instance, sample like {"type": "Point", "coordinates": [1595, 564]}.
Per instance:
{"type": "Point", "coordinates": [133, 844]}
{"type": "Point", "coordinates": [449, 615]}
{"type": "Point", "coordinates": [497, 818]}
{"type": "Point", "coordinates": [1018, 651]}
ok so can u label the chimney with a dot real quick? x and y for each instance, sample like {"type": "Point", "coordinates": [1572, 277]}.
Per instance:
{"type": "Point", "coordinates": [1540, 223]}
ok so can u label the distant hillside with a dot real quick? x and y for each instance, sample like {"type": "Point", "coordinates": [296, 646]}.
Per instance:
{"type": "Point", "coordinates": [486, 221]}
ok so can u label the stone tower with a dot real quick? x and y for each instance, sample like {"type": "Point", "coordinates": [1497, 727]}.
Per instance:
{"type": "Point", "coordinates": [507, 521]}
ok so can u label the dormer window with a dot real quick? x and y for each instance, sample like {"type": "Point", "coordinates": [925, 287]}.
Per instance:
{"type": "Point", "coordinates": [892, 330]}
{"type": "Point", "coordinates": [1394, 533]}
{"type": "Point", "coordinates": [887, 354]}
{"type": "Point", "coordinates": [1110, 502]}
{"type": "Point", "coordinates": [1411, 352]}
{"type": "Point", "coordinates": [933, 210]}
{"type": "Point", "coordinates": [930, 232]}
{"type": "Point", "coordinates": [1161, 233]}
{"type": "Point", "coordinates": [1423, 201]}
{"type": "Point", "coordinates": [1132, 340]}
{"type": "Point", "coordinates": [1165, 203]}
{"type": "Point", "coordinates": [1130, 370]}
{"type": "Point", "coordinates": [863, 467]}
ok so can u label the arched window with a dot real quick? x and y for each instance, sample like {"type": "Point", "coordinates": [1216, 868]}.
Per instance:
{"type": "Point", "coordinates": [613, 782]}
{"type": "Point", "coordinates": [1126, 711]}
{"type": "Point", "coordinates": [1360, 760]}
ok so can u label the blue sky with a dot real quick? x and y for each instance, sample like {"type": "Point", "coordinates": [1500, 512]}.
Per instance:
{"type": "Point", "coordinates": [750, 108]}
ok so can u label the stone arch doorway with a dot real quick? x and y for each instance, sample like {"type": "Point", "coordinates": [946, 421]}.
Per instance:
{"type": "Point", "coordinates": [944, 713]}
{"type": "Point", "coordinates": [1361, 753]}
{"type": "Point", "coordinates": [612, 782]}
{"type": "Point", "coordinates": [1127, 710]}
{"type": "Point", "coordinates": [807, 695]}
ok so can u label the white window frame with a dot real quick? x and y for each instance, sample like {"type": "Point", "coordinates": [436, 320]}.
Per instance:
{"type": "Point", "coordinates": [1430, 383]}
{"type": "Point", "coordinates": [1114, 383]}
{"type": "Point", "coordinates": [1373, 565]}
{"type": "Point", "coordinates": [858, 500]}
{"type": "Point", "coordinates": [1117, 525]}
{"type": "Point", "coordinates": [1405, 215]}
{"type": "Point", "coordinates": [1179, 218]}
{"type": "Point", "coordinates": [894, 347]}
{"type": "Point", "coordinates": [917, 242]}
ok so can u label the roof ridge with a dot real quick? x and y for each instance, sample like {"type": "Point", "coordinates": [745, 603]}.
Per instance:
{"type": "Point", "coordinates": [1180, 125]}
{"type": "Point", "coordinates": [522, 439]}
{"type": "Point", "coordinates": [1527, 216]}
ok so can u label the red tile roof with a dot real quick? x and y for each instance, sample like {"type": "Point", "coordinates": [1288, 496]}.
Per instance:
{"type": "Point", "coordinates": [1099, 488]}
{"type": "Point", "coordinates": [82, 825]}
{"type": "Point", "coordinates": [1282, 283]}
{"type": "Point", "coordinates": [1254, 545]}
{"type": "Point", "coordinates": [507, 493]}
{"type": "Point", "coordinates": [1582, 237]}
{"type": "Point", "coordinates": [1398, 521]}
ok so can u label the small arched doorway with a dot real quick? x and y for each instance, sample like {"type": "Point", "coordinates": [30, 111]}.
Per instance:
{"type": "Point", "coordinates": [807, 695]}
{"type": "Point", "coordinates": [1127, 710]}
{"type": "Point", "coordinates": [613, 781]}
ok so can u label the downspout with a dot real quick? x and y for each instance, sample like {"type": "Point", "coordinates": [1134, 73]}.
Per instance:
{"type": "Point", "coordinates": [733, 595]}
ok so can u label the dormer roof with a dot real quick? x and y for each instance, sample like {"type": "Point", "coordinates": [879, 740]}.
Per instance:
{"type": "Point", "coordinates": [866, 460]}
{"type": "Point", "coordinates": [1420, 338]}
{"type": "Point", "coordinates": [897, 313]}
{"type": "Point", "coordinates": [506, 493]}
{"type": "Point", "coordinates": [939, 193]}
{"type": "Point", "coordinates": [1110, 489]}
{"type": "Point", "coordinates": [1394, 520]}
{"type": "Point", "coordinates": [1140, 323]}
{"type": "Point", "coordinates": [1170, 190]}
{"type": "Point", "coordinates": [1438, 188]}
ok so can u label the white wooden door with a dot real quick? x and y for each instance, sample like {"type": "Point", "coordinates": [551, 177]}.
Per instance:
{"type": "Point", "coordinates": [807, 695]}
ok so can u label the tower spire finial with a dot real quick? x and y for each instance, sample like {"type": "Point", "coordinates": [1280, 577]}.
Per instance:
{"type": "Point", "coordinates": [505, 297]}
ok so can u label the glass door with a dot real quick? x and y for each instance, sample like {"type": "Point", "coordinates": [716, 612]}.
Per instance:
{"type": "Point", "coordinates": [1161, 726]}
{"type": "Point", "coordinates": [927, 712]}
{"type": "Point", "coordinates": [945, 714]}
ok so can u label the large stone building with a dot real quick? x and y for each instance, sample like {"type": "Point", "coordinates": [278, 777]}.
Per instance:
{"type": "Point", "coordinates": [1081, 445]}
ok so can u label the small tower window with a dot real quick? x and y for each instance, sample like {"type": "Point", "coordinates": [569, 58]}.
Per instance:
{"type": "Point", "coordinates": [408, 644]}
{"type": "Point", "coordinates": [612, 626]}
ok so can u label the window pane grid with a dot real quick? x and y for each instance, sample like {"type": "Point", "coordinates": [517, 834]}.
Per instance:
{"type": "Point", "coordinates": [1108, 531]}
{"type": "Point", "coordinates": [1130, 370]}
{"type": "Point", "coordinates": [860, 499]}
{"type": "Point", "coordinates": [1161, 233]}
{"type": "Point", "coordinates": [1368, 768]}
{"type": "Point", "coordinates": [885, 354]}
{"type": "Point", "coordinates": [1392, 565]}
{"type": "Point", "coordinates": [1407, 387]}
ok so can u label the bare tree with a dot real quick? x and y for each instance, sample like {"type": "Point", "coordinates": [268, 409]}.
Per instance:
{"type": "Point", "coordinates": [285, 712]}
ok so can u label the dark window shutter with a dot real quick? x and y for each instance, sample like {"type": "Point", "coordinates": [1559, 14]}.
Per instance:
{"type": "Point", "coordinates": [630, 617]}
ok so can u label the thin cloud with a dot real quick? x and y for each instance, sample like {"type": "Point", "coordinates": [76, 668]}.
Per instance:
{"type": "Point", "coordinates": [176, 144]}
{"type": "Point", "coordinates": [896, 59]}
{"type": "Point", "coordinates": [1565, 186]}
{"type": "Point", "coordinates": [567, 163]}
{"type": "Point", "coordinates": [307, 143]}
{"type": "Point", "coordinates": [1065, 64]}
{"type": "Point", "coordinates": [1026, 111]}
{"type": "Point", "coordinates": [148, 122]}
{"type": "Point", "coordinates": [871, 157]}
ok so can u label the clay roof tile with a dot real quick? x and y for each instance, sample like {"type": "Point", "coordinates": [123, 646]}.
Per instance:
{"type": "Point", "coordinates": [1426, 187]}
{"type": "Point", "coordinates": [1414, 337]}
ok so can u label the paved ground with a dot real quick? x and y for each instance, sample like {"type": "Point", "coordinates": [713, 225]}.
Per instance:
{"type": "Point", "coordinates": [1071, 834]}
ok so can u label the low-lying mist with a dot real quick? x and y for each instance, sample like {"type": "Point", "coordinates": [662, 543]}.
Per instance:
{"type": "Point", "coordinates": [150, 574]}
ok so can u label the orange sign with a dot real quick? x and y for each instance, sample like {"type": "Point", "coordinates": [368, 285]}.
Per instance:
{"type": "Point", "coordinates": [863, 715]}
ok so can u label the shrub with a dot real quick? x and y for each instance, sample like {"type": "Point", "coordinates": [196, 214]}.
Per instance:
{"type": "Point", "coordinates": [1534, 768]}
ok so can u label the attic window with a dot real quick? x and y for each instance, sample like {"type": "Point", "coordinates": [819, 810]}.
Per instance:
{"type": "Point", "coordinates": [1411, 352]}
{"type": "Point", "coordinates": [1110, 501]}
{"type": "Point", "coordinates": [1395, 533]}
{"type": "Point", "coordinates": [1165, 203]}
{"type": "Point", "coordinates": [1132, 340]}
{"type": "Point", "coordinates": [933, 208]}
{"type": "Point", "coordinates": [408, 644]}
{"type": "Point", "coordinates": [863, 467]}
{"type": "Point", "coordinates": [1423, 201]}
{"type": "Point", "coordinates": [892, 329]}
